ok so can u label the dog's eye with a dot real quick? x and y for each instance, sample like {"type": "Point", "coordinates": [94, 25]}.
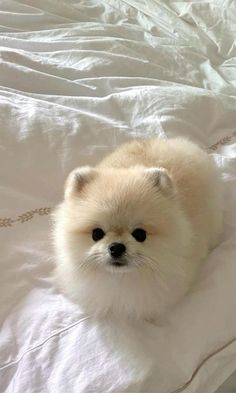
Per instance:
{"type": "Point", "coordinates": [139, 235]}
{"type": "Point", "coordinates": [98, 234]}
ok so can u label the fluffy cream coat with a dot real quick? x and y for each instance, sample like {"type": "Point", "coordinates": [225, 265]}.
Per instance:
{"type": "Point", "coordinates": [171, 189]}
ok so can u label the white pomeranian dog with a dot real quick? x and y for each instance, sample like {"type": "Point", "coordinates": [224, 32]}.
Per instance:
{"type": "Point", "coordinates": [133, 231]}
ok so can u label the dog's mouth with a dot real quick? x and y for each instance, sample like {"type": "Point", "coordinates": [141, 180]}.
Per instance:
{"type": "Point", "coordinates": [119, 265]}
{"type": "Point", "coordinates": [125, 263]}
{"type": "Point", "coordinates": [118, 262]}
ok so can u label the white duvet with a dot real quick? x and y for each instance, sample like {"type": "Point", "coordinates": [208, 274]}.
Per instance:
{"type": "Point", "coordinates": [77, 78]}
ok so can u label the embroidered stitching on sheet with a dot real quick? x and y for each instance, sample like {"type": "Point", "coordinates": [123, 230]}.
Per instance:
{"type": "Point", "coordinates": [27, 216]}
{"type": "Point", "coordinates": [222, 142]}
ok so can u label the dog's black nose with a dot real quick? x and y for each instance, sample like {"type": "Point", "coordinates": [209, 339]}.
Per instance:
{"type": "Point", "coordinates": [117, 250]}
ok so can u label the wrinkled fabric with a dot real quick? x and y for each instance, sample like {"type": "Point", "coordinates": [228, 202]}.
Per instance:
{"type": "Point", "coordinates": [78, 78]}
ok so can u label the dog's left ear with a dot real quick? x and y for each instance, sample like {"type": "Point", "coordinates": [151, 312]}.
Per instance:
{"type": "Point", "coordinates": [77, 180]}
{"type": "Point", "coordinates": [161, 179]}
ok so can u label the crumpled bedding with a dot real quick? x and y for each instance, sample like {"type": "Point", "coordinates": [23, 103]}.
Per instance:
{"type": "Point", "coordinates": [78, 78]}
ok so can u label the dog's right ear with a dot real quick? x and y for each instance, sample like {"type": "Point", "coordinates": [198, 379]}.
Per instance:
{"type": "Point", "coordinates": [77, 179]}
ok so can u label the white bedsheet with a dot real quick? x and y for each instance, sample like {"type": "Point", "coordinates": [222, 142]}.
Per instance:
{"type": "Point", "coordinates": [77, 78]}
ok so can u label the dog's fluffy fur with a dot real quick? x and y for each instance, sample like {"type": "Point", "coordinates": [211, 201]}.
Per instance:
{"type": "Point", "coordinates": [171, 189]}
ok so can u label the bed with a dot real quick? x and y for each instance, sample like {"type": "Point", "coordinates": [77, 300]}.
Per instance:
{"type": "Point", "coordinates": [78, 78]}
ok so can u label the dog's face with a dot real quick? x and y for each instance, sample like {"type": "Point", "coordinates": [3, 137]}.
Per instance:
{"type": "Point", "coordinates": [119, 218]}
{"type": "Point", "coordinates": [121, 225]}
